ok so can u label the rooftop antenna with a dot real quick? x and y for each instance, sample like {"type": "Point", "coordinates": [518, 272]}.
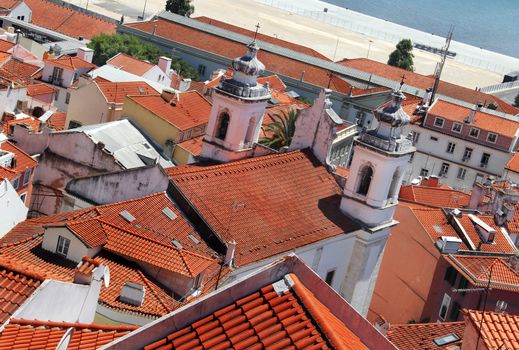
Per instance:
{"type": "Point", "coordinates": [257, 30]}
{"type": "Point", "coordinates": [402, 82]}
{"type": "Point", "coordinates": [439, 66]}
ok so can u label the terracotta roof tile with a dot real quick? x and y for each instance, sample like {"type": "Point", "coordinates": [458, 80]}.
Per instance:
{"type": "Point", "coordinates": [513, 163]}
{"type": "Point", "coordinates": [420, 336]}
{"type": "Point", "coordinates": [130, 64]}
{"type": "Point", "coordinates": [57, 121]}
{"type": "Point", "coordinates": [482, 120]}
{"type": "Point", "coordinates": [500, 245]}
{"type": "Point", "coordinates": [427, 81]}
{"type": "Point", "coordinates": [30, 122]}
{"type": "Point", "coordinates": [116, 92]}
{"type": "Point", "coordinates": [51, 15]}
{"type": "Point", "coordinates": [477, 270]}
{"type": "Point", "coordinates": [263, 195]}
{"type": "Point", "coordinates": [39, 89]}
{"type": "Point", "coordinates": [193, 146]}
{"type": "Point", "coordinates": [435, 196]}
{"type": "Point", "coordinates": [186, 110]}
{"type": "Point", "coordinates": [43, 335]}
{"type": "Point", "coordinates": [266, 319]}
{"type": "Point", "coordinates": [436, 224]}
{"type": "Point", "coordinates": [497, 329]}
{"type": "Point", "coordinates": [9, 4]}
{"type": "Point", "coordinates": [19, 71]}
{"type": "Point", "coordinates": [23, 161]}
{"type": "Point", "coordinates": [71, 62]}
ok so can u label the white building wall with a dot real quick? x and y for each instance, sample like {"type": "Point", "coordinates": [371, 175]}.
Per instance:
{"type": "Point", "coordinates": [12, 209]}
{"type": "Point", "coordinates": [10, 97]}
{"type": "Point", "coordinates": [22, 12]}
{"type": "Point", "coordinates": [156, 74]}
{"type": "Point", "coordinates": [77, 249]}
{"type": "Point", "coordinates": [432, 153]}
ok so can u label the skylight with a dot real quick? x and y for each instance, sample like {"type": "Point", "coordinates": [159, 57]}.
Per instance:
{"type": "Point", "coordinates": [127, 216]}
{"type": "Point", "coordinates": [446, 339]}
{"type": "Point", "coordinates": [169, 213]}
{"type": "Point", "coordinates": [177, 244]}
{"type": "Point", "coordinates": [438, 229]}
{"type": "Point", "coordinates": [194, 239]}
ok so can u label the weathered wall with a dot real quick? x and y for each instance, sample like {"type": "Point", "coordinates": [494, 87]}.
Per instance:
{"type": "Point", "coordinates": [12, 209]}
{"type": "Point", "coordinates": [87, 106]}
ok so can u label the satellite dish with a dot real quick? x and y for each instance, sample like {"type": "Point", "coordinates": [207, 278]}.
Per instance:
{"type": "Point", "coordinates": [106, 276]}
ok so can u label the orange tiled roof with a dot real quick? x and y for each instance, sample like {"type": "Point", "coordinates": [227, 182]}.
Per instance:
{"type": "Point", "coordinates": [16, 285]}
{"type": "Point", "coordinates": [232, 49]}
{"type": "Point", "coordinates": [186, 111]}
{"type": "Point", "coordinates": [263, 195]}
{"type": "Point", "coordinates": [477, 270]}
{"type": "Point", "coordinates": [116, 92]}
{"type": "Point", "coordinates": [46, 335]}
{"type": "Point", "coordinates": [193, 146]}
{"type": "Point", "coordinates": [427, 81]}
{"type": "Point", "coordinates": [500, 245]}
{"type": "Point", "coordinates": [71, 62]}
{"type": "Point", "coordinates": [57, 121]}
{"type": "Point", "coordinates": [435, 196]}
{"type": "Point", "coordinates": [9, 4]}
{"type": "Point", "coordinates": [497, 329]}
{"type": "Point", "coordinates": [130, 64]}
{"type": "Point", "coordinates": [23, 161]}
{"type": "Point", "coordinates": [482, 120]}
{"type": "Point", "coordinates": [420, 336]}
{"type": "Point", "coordinates": [5, 45]}
{"type": "Point", "coordinates": [53, 16]}
{"type": "Point", "coordinates": [31, 122]}
{"type": "Point", "coordinates": [265, 319]}
{"type": "Point", "coordinates": [39, 89]}
{"type": "Point", "coordinates": [513, 163]}
{"type": "Point", "coordinates": [19, 71]}
{"type": "Point", "coordinates": [269, 39]}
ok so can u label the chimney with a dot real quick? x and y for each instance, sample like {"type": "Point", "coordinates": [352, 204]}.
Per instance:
{"type": "Point", "coordinates": [426, 100]}
{"type": "Point", "coordinates": [85, 54]}
{"type": "Point", "coordinates": [473, 111]}
{"type": "Point", "coordinates": [485, 231]}
{"type": "Point", "coordinates": [84, 270]}
{"type": "Point", "coordinates": [165, 64]}
{"type": "Point", "coordinates": [168, 94]}
{"type": "Point", "coordinates": [302, 76]}
{"type": "Point", "coordinates": [229, 256]}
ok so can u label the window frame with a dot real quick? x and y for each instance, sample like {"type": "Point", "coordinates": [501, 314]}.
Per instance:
{"type": "Point", "coordinates": [462, 171]}
{"type": "Point", "coordinates": [62, 245]}
{"type": "Point", "coordinates": [474, 129]}
{"type": "Point", "coordinates": [438, 119]}
{"type": "Point", "coordinates": [454, 126]}
{"type": "Point", "coordinates": [26, 177]}
{"type": "Point", "coordinates": [448, 299]}
{"type": "Point", "coordinates": [494, 134]}
{"type": "Point", "coordinates": [426, 172]}
{"type": "Point", "coordinates": [443, 173]}
{"type": "Point", "coordinates": [330, 275]}
{"type": "Point", "coordinates": [16, 182]}
{"type": "Point", "coordinates": [468, 151]}
{"type": "Point", "coordinates": [484, 164]}
{"type": "Point", "coordinates": [450, 149]}
{"type": "Point", "coordinates": [23, 197]}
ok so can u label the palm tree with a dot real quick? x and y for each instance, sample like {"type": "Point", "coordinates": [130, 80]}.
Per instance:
{"type": "Point", "coordinates": [279, 133]}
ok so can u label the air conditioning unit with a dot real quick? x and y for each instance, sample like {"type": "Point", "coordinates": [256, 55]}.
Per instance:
{"type": "Point", "coordinates": [448, 244]}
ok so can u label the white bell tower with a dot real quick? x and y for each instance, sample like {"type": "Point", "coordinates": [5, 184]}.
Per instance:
{"type": "Point", "coordinates": [379, 161]}
{"type": "Point", "coordinates": [237, 114]}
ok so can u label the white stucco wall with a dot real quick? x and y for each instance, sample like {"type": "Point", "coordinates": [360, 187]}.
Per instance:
{"type": "Point", "coordinates": [9, 98]}
{"type": "Point", "coordinates": [156, 74]}
{"type": "Point", "coordinates": [22, 10]}
{"type": "Point", "coordinates": [87, 98]}
{"type": "Point", "coordinates": [12, 209]}
{"type": "Point", "coordinates": [77, 249]}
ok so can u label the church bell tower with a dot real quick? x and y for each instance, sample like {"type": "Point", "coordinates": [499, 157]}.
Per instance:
{"type": "Point", "coordinates": [237, 114]}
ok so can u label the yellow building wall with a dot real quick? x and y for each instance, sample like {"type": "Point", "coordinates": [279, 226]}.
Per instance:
{"type": "Point", "coordinates": [157, 128]}
{"type": "Point", "coordinates": [182, 156]}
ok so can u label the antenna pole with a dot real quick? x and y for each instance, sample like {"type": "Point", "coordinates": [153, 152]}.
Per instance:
{"type": "Point", "coordinates": [439, 67]}
{"type": "Point", "coordinates": [487, 289]}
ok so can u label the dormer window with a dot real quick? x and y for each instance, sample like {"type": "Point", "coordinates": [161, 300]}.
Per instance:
{"type": "Point", "coordinates": [365, 176]}
{"type": "Point", "coordinates": [474, 132]}
{"type": "Point", "coordinates": [63, 245]}
{"type": "Point", "coordinates": [438, 122]}
{"type": "Point", "coordinates": [491, 137]}
{"type": "Point", "coordinates": [223, 125]}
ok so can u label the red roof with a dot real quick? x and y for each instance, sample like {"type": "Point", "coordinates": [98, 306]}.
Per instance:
{"type": "Point", "coordinates": [16, 285]}
{"type": "Point", "coordinates": [476, 269]}
{"type": "Point", "coordinates": [185, 111]}
{"type": "Point", "coordinates": [39, 89]}
{"type": "Point", "coordinates": [23, 161]}
{"type": "Point", "coordinates": [231, 49]}
{"type": "Point", "coordinates": [269, 39]}
{"type": "Point", "coordinates": [30, 122]}
{"type": "Point", "coordinates": [435, 196]}
{"type": "Point", "coordinates": [130, 64]}
{"type": "Point", "coordinates": [116, 92]}
{"type": "Point", "coordinates": [193, 146]}
{"type": "Point", "coordinates": [4, 44]}
{"type": "Point", "coordinates": [57, 121]}
{"type": "Point", "coordinates": [71, 62]}
{"type": "Point", "coordinates": [498, 329]}
{"type": "Point", "coordinates": [420, 336]}
{"type": "Point", "coordinates": [427, 81]}
{"type": "Point", "coordinates": [513, 163]}
{"type": "Point", "coordinates": [62, 19]}
{"type": "Point", "coordinates": [267, 319]}
{"type": "Point", "coordinates": [18, 71]}
{"type": "Point", "coordinates": [46, 335]}
{"type": "Point", "coordinates": [263, 195]}
{"type": "Point", "coordinates": [482, 120]}
{"type": "Point", "coordinates": [9, 4]}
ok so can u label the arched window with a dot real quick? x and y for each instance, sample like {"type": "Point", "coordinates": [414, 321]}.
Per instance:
{"type": "Point", "coordinates": [250, 131]}
{"type": "Point", "coordinates": [223, 125]}
{"type": "Point", "coordinates": [365, 176]}
{"type": "Point", "coordinates": [394, 185]}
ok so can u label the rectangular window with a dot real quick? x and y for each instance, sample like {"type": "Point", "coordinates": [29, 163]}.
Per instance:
{"type": "Point", "coordinates": [438, 122]}
{"type": "Point", "coordinates": [450, 147]}
{"type": "Point", "coordinates": [434, 138]}
{"type": "Point", "coordinates": [56, 95]}
{"type": "Point", "coordinates": [455, 311]}
{"type": "Point", "coordinates": [456, 127]}
{"type": "Point", "coordinates": [461, 173]}
{"type": "Point", "coordinates": [450, 275]}
{"type": "Point", "coordinates": [444, 170]}
{"type": "Point", "coordinates": [491, 137]}
{"type": "Point", "coordinates": [467, 154]}
{"type": "Point", "coordinates": [23, 196]}
{"type": "Point", "coordinates": [63, 245]}
{"type": "Point", "coordinates": [329, 277]}
{"type": "Point", "coordinates": [26, 176]}
{"type": "Point", "coordinates": [444, 307]}
{"type": "Point", "coordinates": [474, 132]}
{"type": "Point", "coordinates": [201, 69]}
{"type": "Point", "coordinates": [424, 172]}
{"type": "Point", "coordinates": [484, 160]}
{"type": "Point", "coordinates": [16, 183]}
{"type": "Point", "coordinates": [416, 137]}
{"type": "Point", "coordinates": [67, 98]}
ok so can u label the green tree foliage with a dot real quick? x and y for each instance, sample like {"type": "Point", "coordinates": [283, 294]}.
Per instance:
{"type": "Point", "coordinates": [180, 7]}
{"type": "Point", "coordinates": [279, 133]}
{"type": "Point", "coordinates": [106, 46]}
{"type": "Point", "coordinates": [402, 57]}
{"type": "Point", "coordinates": [516, 101]}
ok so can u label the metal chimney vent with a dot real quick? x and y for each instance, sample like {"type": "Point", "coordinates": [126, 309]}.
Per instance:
{"type": "Point", "coordinates": [132, 293]}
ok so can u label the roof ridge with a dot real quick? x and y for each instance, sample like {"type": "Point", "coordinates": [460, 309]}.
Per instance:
{"type": "Point", "coordinates": [145, 280]}
{"type": "Point", "coordinates": [7, 264]}
{"type": "Point", "coordinates": [72, 324]}
{"type": "Point", "coordinates": [425, 324]}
